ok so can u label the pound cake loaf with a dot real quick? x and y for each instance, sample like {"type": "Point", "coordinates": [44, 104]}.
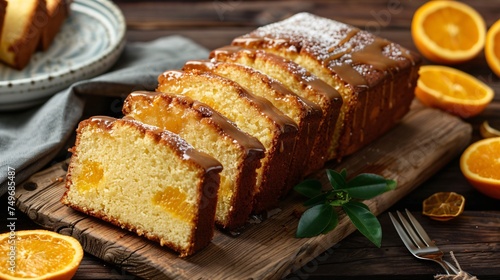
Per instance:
{"type": "Point", "coordinates": [144, 179]}
{"type": "Point", "coordinates": [252, 114]}
{"type": "Point", "coordinates": [209, 132]}
{"type": "Point", "coordinates": [305, 114]}
{"type": "Point", "coordinates": [375, 77]}
{"type": "Point", "coordinates": [302, 83]}
{"type": "Point", "coordinates": [21, 32]}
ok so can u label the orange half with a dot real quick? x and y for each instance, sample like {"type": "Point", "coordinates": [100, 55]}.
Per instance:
{"type": "Point", "coordinates": [452, 90]}
{"type": "Point", "coordinates": [38, 254]}
{"type": "Point", "coordinates": [480, 164]}
{"type": "Point", "coordinates": [492, 48]}
{"type": "Point", "coordinates": [448, 31]}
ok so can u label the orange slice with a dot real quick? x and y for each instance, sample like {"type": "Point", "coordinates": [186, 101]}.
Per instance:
{"type": "Point", "coordinates": [448, 31]}
{"type": "Point", "coordinates": [487, 131]}
{"type": "Point", "coordinates": [452, 90]}
{"type": "Point", "coordinates": [480, 164]}
{"type": "Point", "coordinates": [38, 254]}
{"type": "Point", "coordinates": [492, 47]}
{"type": "Point", "coordinates": [443, 206]}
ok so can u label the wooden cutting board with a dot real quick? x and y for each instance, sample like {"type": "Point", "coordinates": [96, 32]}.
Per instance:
{"type": "Point", "coordinates": [419, 146]}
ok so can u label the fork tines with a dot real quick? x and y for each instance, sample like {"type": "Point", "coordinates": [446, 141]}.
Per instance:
{"type": "Point", "coordinates": [414, 231]}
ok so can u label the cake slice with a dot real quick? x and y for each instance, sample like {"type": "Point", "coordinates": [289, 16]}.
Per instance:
{"type": "Point", "coordinates": [57, 12]}
{"type": "Point", "coordinates": [21, 31]}
{"type": "Point", "coordinates": [144, 179]}
{"type": "Point", "coordinates": [252, 114]}
{"type": "Point", "coordinates": [209, 132]}
{"type": "Point", "coordinates": [302, 83]}
{"type": "Point", "coordinates": [375, 77]}
{"type": "Point", "coordinates": [3, 11]}
{"type": "Point", "coordinates": [305, 114]}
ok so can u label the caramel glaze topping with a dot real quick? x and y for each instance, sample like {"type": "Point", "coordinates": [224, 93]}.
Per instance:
{"type": "Point", "coordinates": [284, 123]}
{"type": "Point", "coordinates": [280, 90]}
{"type": "Point", "coordinates": [306, 78]}
{"type": "Point", "coordinates": [224, 126]}
{"type": "Point", "coordinates": [183, 149]}
{"type": "Point", "coordinates": [348, 52]}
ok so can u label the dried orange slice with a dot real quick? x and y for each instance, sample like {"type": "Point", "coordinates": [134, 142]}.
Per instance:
{"type": "Point", "coordinates": [443, 206]}
{"type": "Point", "coordinates": [38, 254]}
{"type": "Point", "coordinates": [480, 164]}
{"type": "Point", "coordinates": [448, 31]}
{"type": "Point", "coordinates": [452, 90]}
{"type": "Point", "coordinates": [492, 47]}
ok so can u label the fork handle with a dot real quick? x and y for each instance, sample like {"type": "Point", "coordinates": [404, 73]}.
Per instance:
{"type": "Point", "coordinates": [456, 270]}
{"type": "Point", "coordinates": [444, 265]}
{"type": "Point", "coordinates": [448, 266]}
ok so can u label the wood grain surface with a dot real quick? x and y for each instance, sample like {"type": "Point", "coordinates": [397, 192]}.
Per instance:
{"type": "Point", "coordinates": [418, 147]}
{"type": "Point", "coordinates": [474, 236]}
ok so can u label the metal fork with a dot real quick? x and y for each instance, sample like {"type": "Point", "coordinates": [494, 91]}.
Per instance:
{"type": "Point", "coordinates": [418, 242]}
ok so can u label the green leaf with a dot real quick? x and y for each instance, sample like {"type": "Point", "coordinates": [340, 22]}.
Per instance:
{"type": "Point", "coordinates": [343, 172]}
{"type": "Point", "coordinates": [365, 221]}
{"type": "Point", "coordinates": [319, 199]}
{"type": "Point", "coordinates": [314, 220]}
{"type": "Point", "coordinates": [337, 180]}
{"type": "Point", "coordinates": [334, 221]}
{"type": "Point", "coordinates": [309, 188]}
{"type": "Point", "coordinates": [392, 184]}
{"type": "Point", "coordinates": [366, 186]}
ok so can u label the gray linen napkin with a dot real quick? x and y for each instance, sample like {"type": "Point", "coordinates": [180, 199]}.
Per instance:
{"type": "Point", "coordinates": [30, 139]}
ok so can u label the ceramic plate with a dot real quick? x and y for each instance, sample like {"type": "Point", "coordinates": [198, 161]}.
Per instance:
{"type": "Point", "coordinates": [88, 44]}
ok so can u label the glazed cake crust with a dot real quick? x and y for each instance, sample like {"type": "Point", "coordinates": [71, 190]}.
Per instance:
{"type": "Point", "coordinates": [365, 69]}
{"type": "Point", "coordinates": [301, 82]}
{"type": "Point", "coordinates": [306, 114]}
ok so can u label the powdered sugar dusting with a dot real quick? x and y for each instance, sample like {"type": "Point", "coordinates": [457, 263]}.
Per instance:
{"type": "Point", "coordinates": [304, 30]}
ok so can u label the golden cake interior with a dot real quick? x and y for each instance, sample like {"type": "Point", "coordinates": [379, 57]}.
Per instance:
{"type": "Point", "coordinates": [136, 179]}
{"type": "Point", "coordinates": [213, 134]}
{"type": "Point", "coordinates": [254, 115]}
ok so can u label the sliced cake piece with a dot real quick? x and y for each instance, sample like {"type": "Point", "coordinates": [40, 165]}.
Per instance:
{"type": "Point", "coordinates": [209, 132]}
{"type": "Point", "coordinates": [305, 114]}
{"type": "Point", "coordinates": [3, 10]}
{"type": "Point", "coordinates": [57, 12]}
{"type": "Point", "coordinates": [144, 179]}
{"type": "Point", "coordinates": [21, 31]}
{"type": "Point", "coordinates": [375, 77]}
{"type": "Point", "coordinates": [302, 83]}
{"type": "Point", "coordinates": [252, 114]}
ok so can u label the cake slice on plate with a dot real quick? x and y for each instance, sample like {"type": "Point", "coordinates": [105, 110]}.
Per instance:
{"type": "Point", "coordinates": [57, 12]}
{"type": "Point", "coordinates": [21, 31]}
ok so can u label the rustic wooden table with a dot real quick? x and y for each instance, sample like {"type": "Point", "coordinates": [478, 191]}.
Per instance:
{"type": "Point", "coordinates": [474, 236]}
